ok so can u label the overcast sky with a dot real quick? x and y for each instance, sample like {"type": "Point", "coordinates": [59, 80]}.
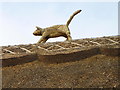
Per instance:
{"type": "Point", "coordinates": [18, 20]}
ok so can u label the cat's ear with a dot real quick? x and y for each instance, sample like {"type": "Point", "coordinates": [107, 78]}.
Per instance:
{"type": "Point", "coordinates": [38, 27]}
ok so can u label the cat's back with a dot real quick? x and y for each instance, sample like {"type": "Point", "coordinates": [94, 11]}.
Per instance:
{"type": "Point", "coordinates": [55, 27]}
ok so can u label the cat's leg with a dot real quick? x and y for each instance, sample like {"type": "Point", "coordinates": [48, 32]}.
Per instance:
{"type": "Point", "coordinates": [42, 40]}
{"type": "Point", "coordinates": [69, 38]}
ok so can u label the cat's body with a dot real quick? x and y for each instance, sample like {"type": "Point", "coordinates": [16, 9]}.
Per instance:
{"type": "Point", "coordinates": [55, 31]}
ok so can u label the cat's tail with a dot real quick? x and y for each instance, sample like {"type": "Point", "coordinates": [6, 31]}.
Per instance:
{"type": "Point", "coordinates": [71, 17]}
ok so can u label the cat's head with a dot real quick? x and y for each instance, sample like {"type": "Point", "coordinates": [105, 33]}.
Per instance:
{"type": "Point", "coordinates": [38, 31]}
